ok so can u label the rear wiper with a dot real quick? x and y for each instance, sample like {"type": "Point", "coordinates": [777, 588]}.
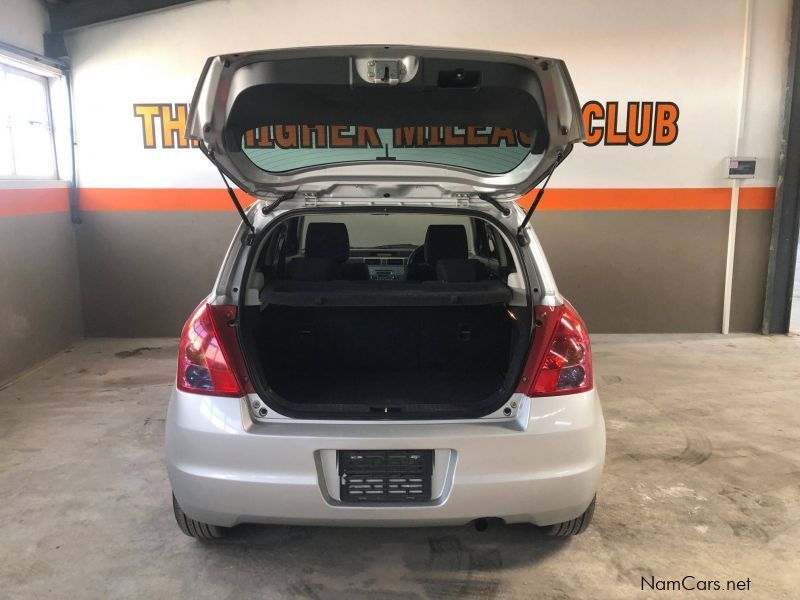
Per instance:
{"type": "Point", "coordinates": [386, 155]}
{"type": "Point", "coordinates": [536, 200]}
{"type": "Point", "coordinates": [487, 198]}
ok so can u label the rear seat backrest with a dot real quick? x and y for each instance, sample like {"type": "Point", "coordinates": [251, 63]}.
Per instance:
{"type": "Point", "coordinates": [441, 242]}
{"type": "Point", "coordinates": [445, 241]}
{"type": "Point", "coordinates": [460, 270]}
{"type": "Point", "coordinates": [312, 269]}
{"type": "Point", "coordinates": [326, 253]}
{"type": "Point", "coordinates": [327, 240]}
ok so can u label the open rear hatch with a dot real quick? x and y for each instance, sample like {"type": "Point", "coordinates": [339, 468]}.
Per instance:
{"type": "Point", "coordinates": [326, 120]}
{"type": "Point", "coordinates": [355, 126]}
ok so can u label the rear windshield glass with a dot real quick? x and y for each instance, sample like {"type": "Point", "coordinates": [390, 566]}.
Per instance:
{"type": "Point", "coordinates": [388, 230]}
{"type": "Point", "coordinates": [281, 148]}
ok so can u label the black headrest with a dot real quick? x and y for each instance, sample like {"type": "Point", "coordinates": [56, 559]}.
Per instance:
{"type": "Point", "coordinates": [445, 241]}
{"type": "Point", "coordinates": [327, 240]}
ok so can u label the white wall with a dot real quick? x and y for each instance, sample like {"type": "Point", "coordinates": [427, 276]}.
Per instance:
{"type": "Point", "coordinates": [22, 23]}
{"type": "Point", "coordinates": [683, 51]}
{"type": "Point", "coordinates": [647, 225]}
{"type": "Point", "coordinates": [40, 303]}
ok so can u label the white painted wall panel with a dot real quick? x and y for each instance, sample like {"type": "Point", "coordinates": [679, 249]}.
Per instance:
{"type": "Point", "coordinates": [22, 23]}
{"type": "Point", "coordinates": [683, 51]}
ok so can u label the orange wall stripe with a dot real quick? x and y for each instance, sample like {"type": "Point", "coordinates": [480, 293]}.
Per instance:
{"type": "Point", "coordinates": [33, 201]}
{"type": "Point", "coordinates": [757, 198]}
{"type": "Point", "coordinates": [651, 199]}
{"type": "Point", "coordinates": [153, 199]}
{"type": "Point", "coordinates": [118, 199]}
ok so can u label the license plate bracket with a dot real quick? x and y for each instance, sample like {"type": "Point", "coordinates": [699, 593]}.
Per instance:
{"type": "Point", "coordinates": [396, 476]}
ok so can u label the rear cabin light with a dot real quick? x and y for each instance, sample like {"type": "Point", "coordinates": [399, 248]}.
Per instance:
{"type": "Point", "coordinates": [560, 359]}
{"type": "Point", "coordinates": [209, 359]}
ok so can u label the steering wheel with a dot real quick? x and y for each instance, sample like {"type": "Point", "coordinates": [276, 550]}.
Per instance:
{"type": "Point", "coordinates": [417, 256]}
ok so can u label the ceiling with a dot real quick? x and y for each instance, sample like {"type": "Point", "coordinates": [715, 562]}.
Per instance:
{"type": "Point", "coordinates": [70, 14]}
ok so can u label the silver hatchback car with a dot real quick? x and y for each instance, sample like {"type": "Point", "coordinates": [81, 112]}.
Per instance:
{"type": "Point", "coordinates": [384, 343]}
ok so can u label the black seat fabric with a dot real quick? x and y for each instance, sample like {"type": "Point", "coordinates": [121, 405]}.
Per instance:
{"type": "Point", "coordinates": [328, 240]}
{"type": "Point", "coordinates": [313, 269]}
{"type": "Point", "coordinates": [441, 242]}
{"type": "Point", "coordinates": [327, 251]}
{"type": "Point", "coordinates": [445, 241]}
{"type": "Point", "coordinates": [354, 271]}
{"type": "Point", "coordinates": [460, 270]}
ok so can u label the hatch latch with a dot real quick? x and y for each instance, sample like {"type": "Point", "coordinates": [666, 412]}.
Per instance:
{"type": "Point", "coordinates": [386, 72]}
{"type": "Point", "coordinates": [462, 200]}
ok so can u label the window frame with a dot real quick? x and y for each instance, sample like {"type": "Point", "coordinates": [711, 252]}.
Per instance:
{"type": "Point", "coordinates": [45, 82]}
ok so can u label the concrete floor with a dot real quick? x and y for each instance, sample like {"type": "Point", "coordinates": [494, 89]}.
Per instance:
{"type": "Point", "coordinates": [702, 479]}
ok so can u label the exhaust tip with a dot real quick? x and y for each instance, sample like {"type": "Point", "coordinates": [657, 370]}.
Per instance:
{"type": "Point", "coordinates": [481, 524]}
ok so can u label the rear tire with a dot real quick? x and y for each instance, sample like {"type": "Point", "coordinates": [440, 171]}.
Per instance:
{"type": "Point", "coordinates": [574, 526]}
{"type": "Point", "coordinates": [196, 529]}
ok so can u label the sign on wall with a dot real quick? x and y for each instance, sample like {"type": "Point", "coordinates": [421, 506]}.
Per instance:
{"type": "Point", "coordinates": [611, 123]}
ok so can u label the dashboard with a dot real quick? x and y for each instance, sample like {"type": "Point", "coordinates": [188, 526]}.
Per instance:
{"type": "Point", "coordinates": [384, 264]}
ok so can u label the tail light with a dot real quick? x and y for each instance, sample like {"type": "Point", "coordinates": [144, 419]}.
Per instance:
{"type": "Point", "coordinates": [560, 360]}
{"type": "Point", "coordinates": [209, 358]}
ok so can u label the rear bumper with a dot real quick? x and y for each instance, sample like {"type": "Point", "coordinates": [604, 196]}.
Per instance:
{"type": "Point", "coordinates": [543, 466]}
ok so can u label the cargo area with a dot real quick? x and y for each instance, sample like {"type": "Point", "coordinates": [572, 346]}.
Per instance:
{"type": "Point", "coordinates": [402, 315]}
{"type": "Point", "coordinates": [386, 358]}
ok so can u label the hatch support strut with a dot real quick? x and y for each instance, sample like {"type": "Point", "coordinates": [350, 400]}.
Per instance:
{"type": "Point", "coordinates": [237, 204]}
{"type": "Point", "coordinates": [536, 200]}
